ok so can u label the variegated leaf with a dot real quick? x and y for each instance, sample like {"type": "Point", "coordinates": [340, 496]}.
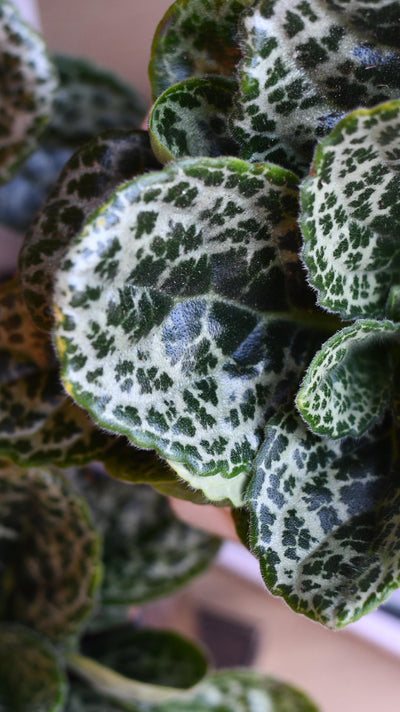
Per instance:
{"type": "Point", "coordinates": [240, 691]}
{"type": "Point", "coordinates": [39, 423]}
{"type": "Point", "coordinates": [195, 38]}
{"type": "Point", "coordinates": [304, 67]}
{"type": "Point", "coordinates": [325, 520]}
{"type": "Point", "coordinates": [351, 216]}
{"type": "Point", "coordinates": [348, 385]}
{"type": "Point", "coordinates": [31, 679]}
{"type": "Point", "coordinates": [158, 657]}
{"type": "Point", "coordinates": [378, 19]}
{"type": "Point", "coordinates": [27, 86]}
{"type": "Point", "coordinates": [191, 119]}
{"type": "Point", "coordinates": [173, 312]}
{"type": "Point", "coordinates": [49, 553]}
{"type": "Point", "coordinates": [89, 177]}
{"type": "Point", "coordinates": [87, 102]}
{"type": "Point", "coordinates": [147, 551]}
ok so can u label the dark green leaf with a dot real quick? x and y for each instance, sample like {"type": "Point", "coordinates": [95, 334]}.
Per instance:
{"type": "Point", "coordinates": [325, 519]}
{"type": "Point", "coordinates": [191, 119]}
{"type": "Point", "coordinates": [351, 213]}
{"type": "Point", "coordinates": [153, 656]}
{"type": "Point", "coordinates": [31, 679]}
{"type": "Point", "coordinates": [49, 553]}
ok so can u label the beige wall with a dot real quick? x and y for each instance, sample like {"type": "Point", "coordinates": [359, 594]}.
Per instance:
{"type": "Point", "coordinates": [117, 34]}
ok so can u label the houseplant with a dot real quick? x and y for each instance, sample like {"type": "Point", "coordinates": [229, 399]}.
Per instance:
{"type": "Point", "coordinates": [196, 341]}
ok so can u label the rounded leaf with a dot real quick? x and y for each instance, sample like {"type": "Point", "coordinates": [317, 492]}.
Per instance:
{"type": "Point", "coordinates": [27, 87]}
{"type": "Point", "coordinates": [191, 119]}
{"type": "Point", "coordinates": [350, 213]}
{"type": "Point", "coordinates": [172, 312]}
{"type": "Point", "coordinates": [31, 679]}
{"type": "Point", "coordinates": [349, 383]}
{"type": "Point", "coordinates": [49, 553]}
{"type": "Point", "coordinates": [194, 38]}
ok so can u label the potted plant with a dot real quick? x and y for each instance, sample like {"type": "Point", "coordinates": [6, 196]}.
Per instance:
{"type": "Point", "coordinates": [193, 314]}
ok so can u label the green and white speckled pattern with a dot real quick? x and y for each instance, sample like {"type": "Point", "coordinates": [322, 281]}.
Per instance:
{"type": "Point", "coordinates": [147, 551]}
{"type": "Point", "coordinates": [191, 119]}
{"type": "Point", "coordinates": [348, 385]}
{"type": "Point", "coordinates": [89, 177]}
{"type": "Point", "coordinates": [27, 86]}
{"type": "Point", "coordinates": [302, 70]}
{"type": "Point", "coordinates": [325, 520]}
{"type": "Point", "coordinates": [49, 573]}
{"type": "Point", "coordinates": [173, 311]}
{"type": "Point", "coordinates": [31, 678]}
{"type": "Point", "coordinates": [350, 213]}
{"type": "Point", "coordinates": [240, 691]}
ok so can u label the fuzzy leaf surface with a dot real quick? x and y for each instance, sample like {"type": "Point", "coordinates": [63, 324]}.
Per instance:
{"type": "Point", "coordinates": [348, 385]}
{"type": "Point", "coordinates": [154, 656]}
{"type": "Point", "coordinates": [50, 553]}
{"type": "Point", "coordinates": [240, 691]}
{"type": "Point", "coordinates": [90, 176]}
{"type": "Point", "coordinates": [173, 312]}
{"type": "Point", "coordinates": [350, 213]}
{"type": "Point", "coordinates": [195, 38]}
{"type": "Point", "coordinates": [147, 551]}
{"type": "Point", "coordinates": [87, 102]}
{"type": "Point", "coordinates": [325, 523]}
{"type": "Point", "coordinates": [46, 427]}
{"type": "Point", "coordinates": [303, 68]}
{"type": "Point", "coordinates": [31, 679]}
{"type": "Point", "coordinates": [191, 119]}
{"type": "Point", "coordinates": [378, 19]}
{"type": "Point", "coordinates": [28, 82]}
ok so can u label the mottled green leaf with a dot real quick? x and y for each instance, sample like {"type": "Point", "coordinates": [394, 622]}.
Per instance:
{"type": "Point", "coordinates": [87, 102]}
{"type": "Point", "coordinates": [49, 553]}
{"type": "Point", "coordinates": [31, 679]}
{"type": "Point", "coordinates": [348, 385]}
{"type": "Point", "coordinates": [147, 551]}
{"type": "Point", "coordinates": [325, 519]}
{"type": "Point", "coordinates": [240, 691]}
{"type": "Point", "coordinates": [303, 68]}
{"type": "Point", "coordinates": [194, 38]}
{"type": "Point", "coordinates": [191, 119]}
{"type": "Point", "coordinates": [39, 423]}
{"type": "Point", "coordinates": [89, 177]}
{"type": "Point", "coordinates": [351, 213]}
{"type": "Point", "coordinates": [27, 87]}
{"type": "Point", "coordinates": [154, 656]}
{"type": "Point", "coordinates": [378, 19]}
{"type": "Point", "coordinates": [173, 310]}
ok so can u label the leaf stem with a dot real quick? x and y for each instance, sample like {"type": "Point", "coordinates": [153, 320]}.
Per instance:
{"type": "Point", "coordinates": [115, 686]}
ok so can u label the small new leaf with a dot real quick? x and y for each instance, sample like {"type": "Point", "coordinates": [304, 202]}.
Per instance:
{"type": "Point", "coordinates": [350, 213]}
{"type": "Point", "coordinates": [325, 519]}
{"type": "Point", "coordinates": [191, 119]}
{"type": "Point", "coordinates": [31, 679]}
{"type": "Point", "coordinates": [348, 385]}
